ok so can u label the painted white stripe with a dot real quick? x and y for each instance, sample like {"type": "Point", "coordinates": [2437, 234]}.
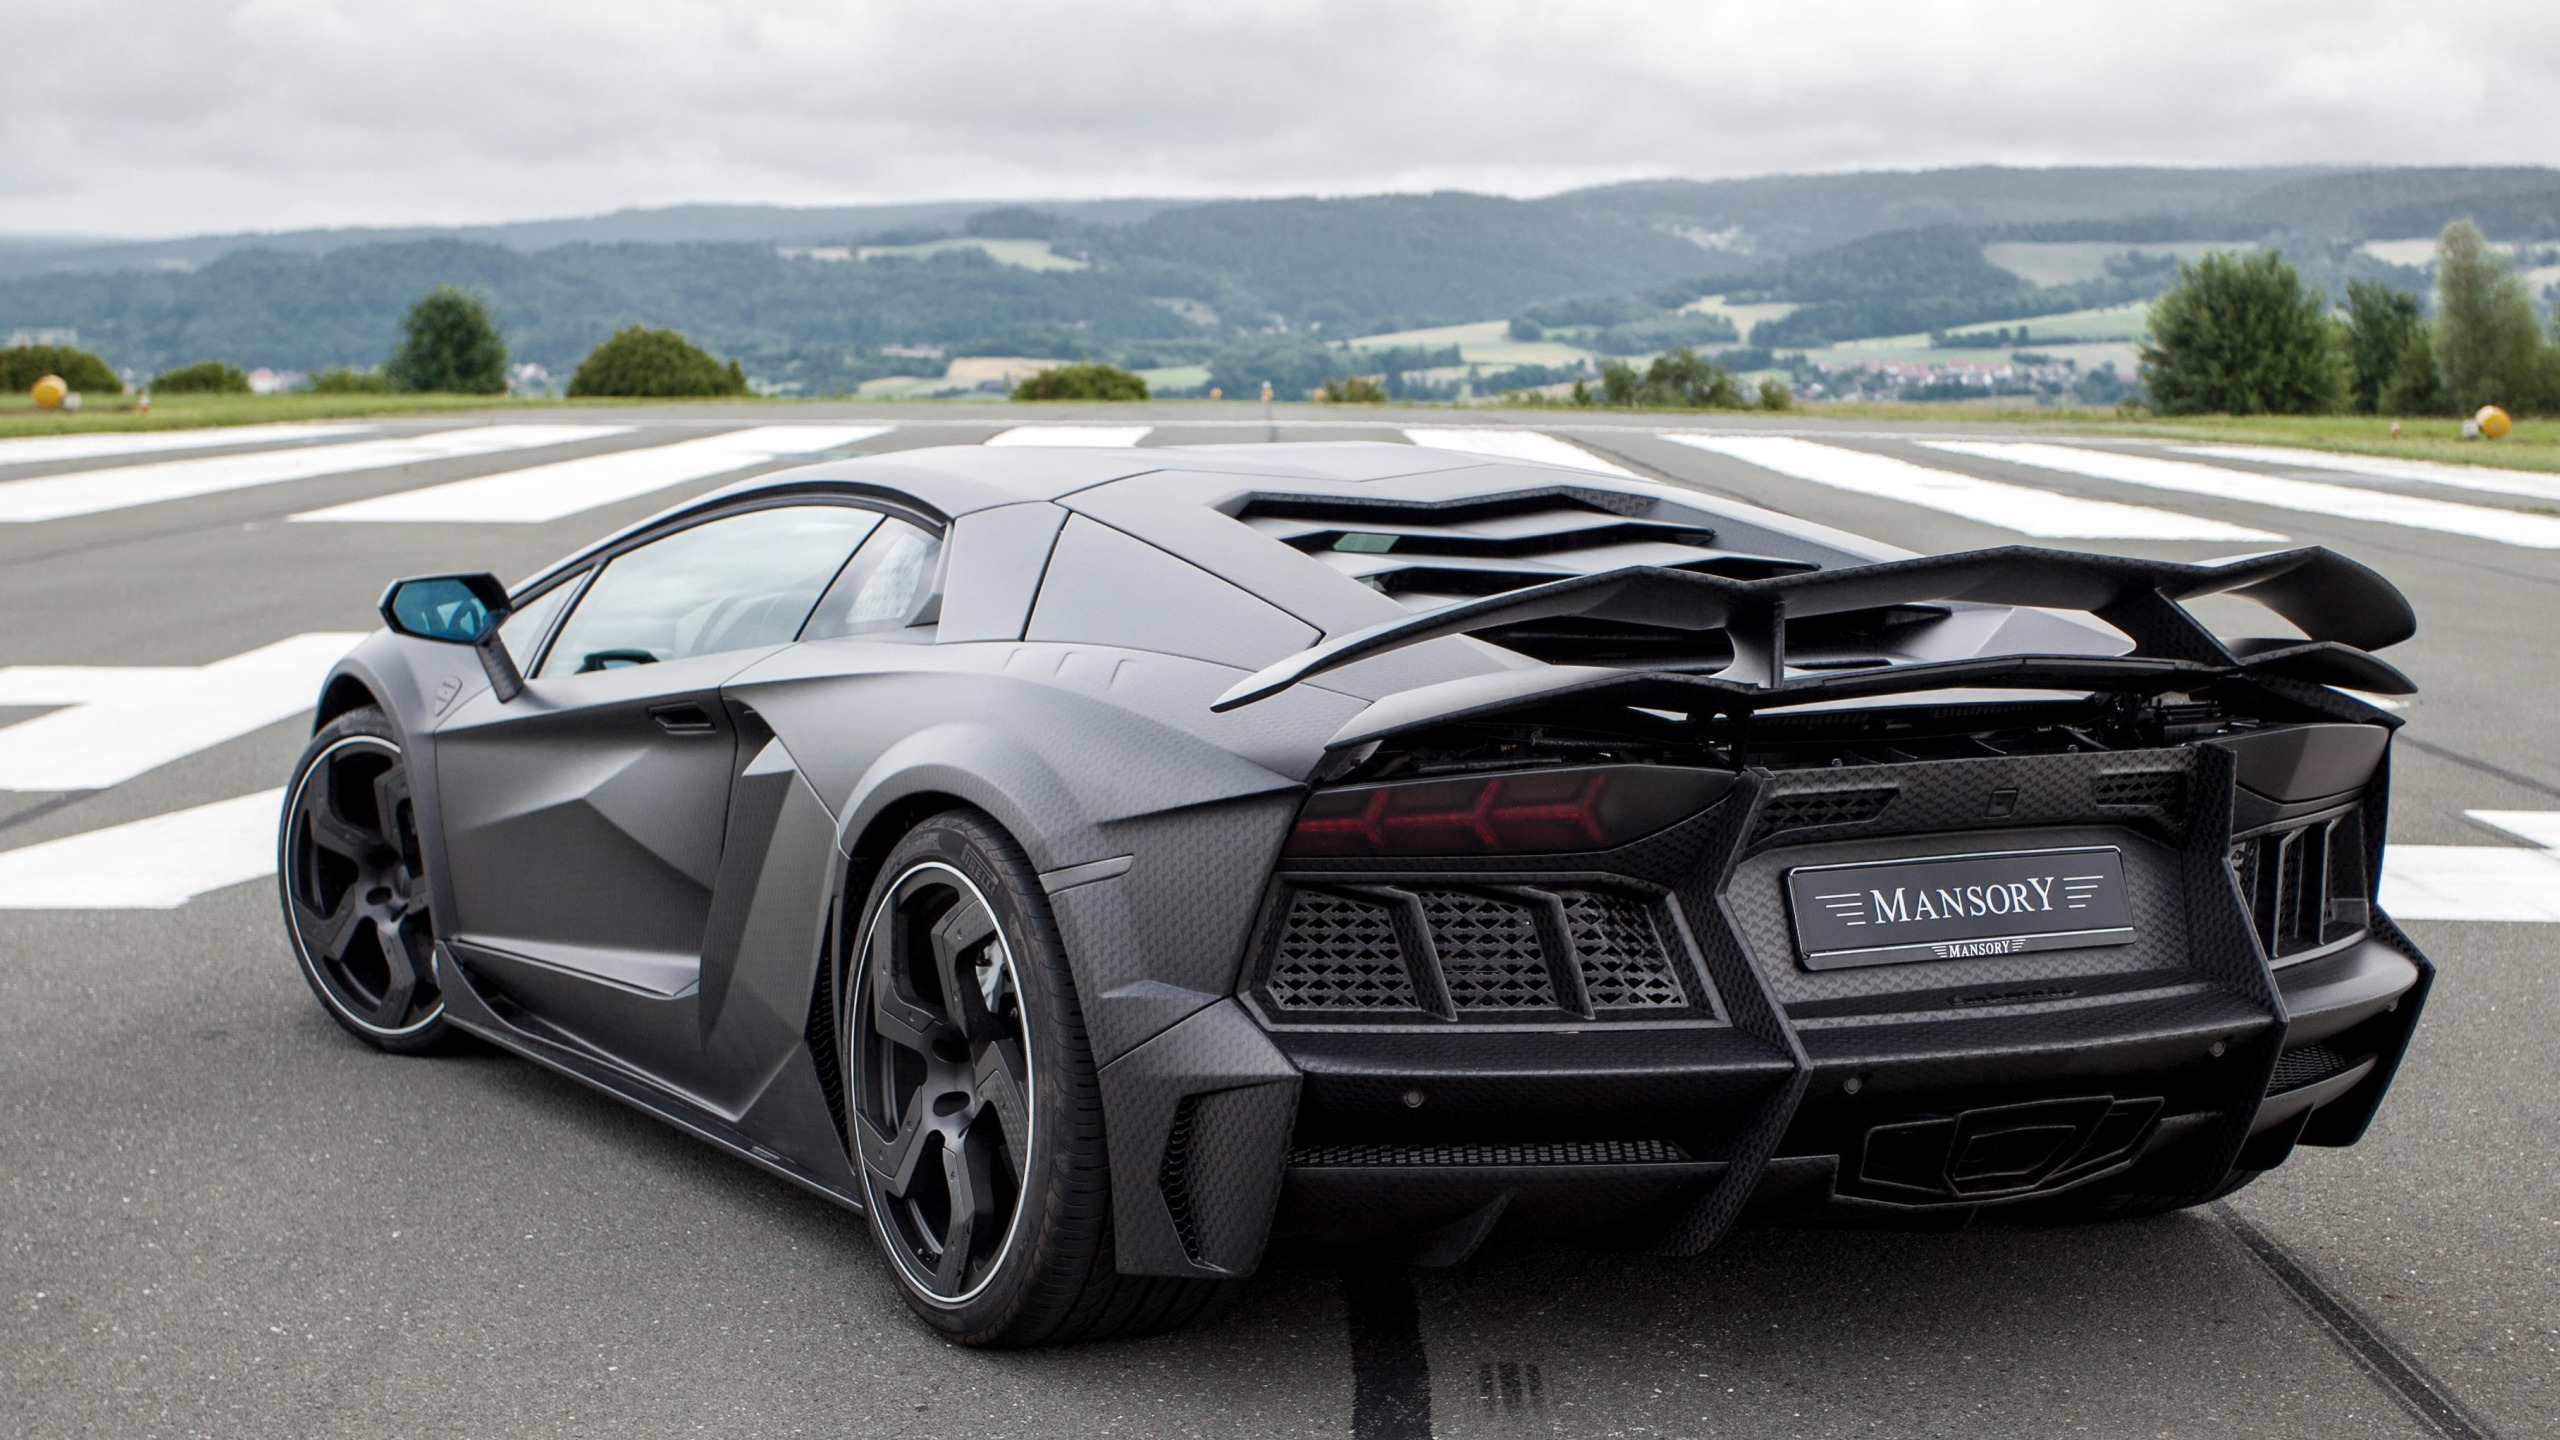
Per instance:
{"type": "Point", "coordinates": [548, 492]}
{"type": "Point", "coordinates": [123, 720]}
{"type": "Point", "coordinates": [2384, 507]}
{"type": "Point", "coordinates": [2021, 508]}
{"type": "Point", "coordinates": [2479, 882]}
{"type": "Point", "coordinates": [156, 864]}
{"type": "Point", "coordinates": [87, 492]}
{"type": "Point", "coordinates": [50, 449]}
{"type": "Point", "coordinates": [2470, 882]}
{"type": "Point", "coordinates": [2540, 485]}
{"type": "Point", "coordinates": [1098, 437]}
{"type": "Point", "coordinates": [1512, 444]}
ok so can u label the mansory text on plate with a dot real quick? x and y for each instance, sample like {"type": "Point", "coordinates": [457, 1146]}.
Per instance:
{"type": "Point", "coordinates": [1090, 864]}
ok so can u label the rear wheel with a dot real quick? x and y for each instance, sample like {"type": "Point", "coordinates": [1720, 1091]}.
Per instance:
{"type": "Point", "coordinates": [975, 1115]}
{"type": "Point", "coordinates": [354, 886]}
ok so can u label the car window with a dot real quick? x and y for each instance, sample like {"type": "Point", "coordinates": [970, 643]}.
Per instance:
{"type": "Point", "coordinates": [883, 586]}
{"type": "Point", "coordinates": [522, 631]}
{"type": "Point", "coordinates": [726, 584]}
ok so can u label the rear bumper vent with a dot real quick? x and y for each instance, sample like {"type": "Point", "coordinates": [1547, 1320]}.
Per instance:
{"type": "Point", "coordinates": [1554, 1152]}
{"type": "Point", "coordinates": [2308, 1065]}
{"type": "Point", "coordinates": [2305, 885]}
{"type": "Point", "coordinates": [1474, 953]}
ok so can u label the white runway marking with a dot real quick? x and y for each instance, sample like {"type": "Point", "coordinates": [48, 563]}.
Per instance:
{"type": "Point", "coordinates": [2021, 508]}
{"type": "Point", "coordinates": [1513, 444]}
{"type": "Point", "coordinates": [1098, 437]}
{"type": "Point", "coordinates": [156, 864]}
{"type": "Point", "coordinates": [548, 492]}
{"type": "Point", "coordinates": [48, 449]}
{"type": "Point", "coordinates": [123, 720]}
{"type": "Point", "coordinates": [2384, 507]}
{"type": "Point", "coordinates": [2460, 477]}
{"type": "Point", "coordinates": [2479, 882]}
{"type": "Point", "coordinates": [88, 492]}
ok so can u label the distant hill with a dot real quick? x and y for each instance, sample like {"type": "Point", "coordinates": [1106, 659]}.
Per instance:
{"type": "Point", "coordinates": [825, 298]}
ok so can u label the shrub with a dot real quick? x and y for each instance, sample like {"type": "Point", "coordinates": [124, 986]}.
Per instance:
{"type": "Point", "coordinates": [1353, 390]}
{"type": "Point", "coordinates": [447, 343]}
{"type": "Point", "coordinates": [23, 365]}
{"type": "Point", "coordinates": [345, 380]}
{"type": "Point", "coordinates": [1774, 395]}
{"type": "Point", "coordinates": [1089, 381]}
{"type": "Point", "coordinates": [2242, 335]}
{"type": "Point", "coordinates": [205, 377]}
{"type": "Point", "coordinates": [654, 363]}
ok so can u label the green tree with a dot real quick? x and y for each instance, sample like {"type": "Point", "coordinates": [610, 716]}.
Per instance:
{"type": "Point", "coordinates": [1774, 395]}
{"type": "Point", "coordinates": [447, 343]}
{"type": "Point", "coordinates": [655, 363]}
{"type": "Point", "coordinates": [2414, 387]}
{"type": "Point", "coordinates": [2383, 325]}
{"type": "Point", "coordinates": [1620, 385]}
{"type": "Point", "coordinates": [2489, 348]}
{"type": "Point", "coordinates": [1088, 381]}
{"type": "Point", "coordinates": [1354, 390]}
{"type": "Point", "coordinates": [2241, 335]}
{"type": "Point", "coordinates": [23, 365]}
{"type": "Point", "coordinates": [205, 377]}
{"type": "Point", "coordinates": [1685, 379]}
{"type": "Point", "coordinates": [1524, 328]}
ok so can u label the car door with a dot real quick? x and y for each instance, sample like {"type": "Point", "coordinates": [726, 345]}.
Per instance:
{"type": "Point", "coordinates": [584, 819]}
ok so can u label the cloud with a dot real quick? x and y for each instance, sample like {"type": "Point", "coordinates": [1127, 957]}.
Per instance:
{"type": "Point", "coordinates": [176, 116]}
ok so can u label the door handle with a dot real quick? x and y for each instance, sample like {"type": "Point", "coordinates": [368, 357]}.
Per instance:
{"type": "Point", "coordinates": [683, 718]}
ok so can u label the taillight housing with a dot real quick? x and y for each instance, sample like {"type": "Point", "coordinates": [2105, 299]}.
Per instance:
{"type": "Point", "coordinates": [1568, 808]}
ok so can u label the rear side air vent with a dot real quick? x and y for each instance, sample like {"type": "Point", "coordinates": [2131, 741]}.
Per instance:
{"type": "Point", "coordinates": [1809, 809]}
{"type": "Point", "coordinates": [1429, 553]}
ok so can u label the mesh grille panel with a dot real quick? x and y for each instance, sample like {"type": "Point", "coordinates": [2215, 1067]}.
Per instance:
{"type": "Point", "coordinates": [1556, 1152]}
{"type": "Point", "coordinates": [1810, 808]}
{"type": "Point", "coordinates": [1173, 1177]}
{"type": "Point", "coordinates": [1338, 953]}
{"type": "Point", "coordinates": [1625, 965]}
{"type": "Point", "coordinates": [2307, 1065]}
{"type": "Point", "coordinates": [2158, 788]}
{"type": "Point", "coordinates": [1489, 951]}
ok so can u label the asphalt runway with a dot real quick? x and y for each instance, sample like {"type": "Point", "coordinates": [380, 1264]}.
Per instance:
{"type": "Point", "coordinates": [219, 1215]}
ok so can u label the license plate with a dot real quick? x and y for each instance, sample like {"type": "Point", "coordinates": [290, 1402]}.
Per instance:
{"type": "Point", "coordinates": [1954, 907]}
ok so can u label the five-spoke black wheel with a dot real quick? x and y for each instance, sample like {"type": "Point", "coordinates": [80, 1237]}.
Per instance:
{"type": "Point", "coordinates": [355, 893]}
{"type": "Point", "coordinates": [945, 1088]}
{"type": "Point", "coordinates": [975, 1114]}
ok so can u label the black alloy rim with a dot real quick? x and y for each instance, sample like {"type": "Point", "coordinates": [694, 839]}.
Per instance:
{"type": "Point", "coordinates": [356, 889]}
{"type": "Point", "coordinates": [943, 1086]}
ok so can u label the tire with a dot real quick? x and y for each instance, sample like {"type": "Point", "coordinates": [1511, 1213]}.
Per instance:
{"type": "Point", "coordinates": [354, 888]}
{"type": "Point", "coordinates": [970, 1094]}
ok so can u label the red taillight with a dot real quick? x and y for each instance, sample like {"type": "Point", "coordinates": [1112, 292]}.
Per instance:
{"type": "Point", "coordinates": [1583, 808]}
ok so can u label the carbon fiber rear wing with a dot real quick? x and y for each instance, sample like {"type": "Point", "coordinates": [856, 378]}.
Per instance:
{"type": "Point", "coordinates": [2344, 609]}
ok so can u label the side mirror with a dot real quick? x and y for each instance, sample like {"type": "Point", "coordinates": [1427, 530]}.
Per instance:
{"type": "Point", "coordinates": [457, 610]}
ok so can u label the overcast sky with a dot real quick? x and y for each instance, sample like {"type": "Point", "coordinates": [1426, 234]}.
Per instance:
{"type": "Point", "coordinates": [166, 117]}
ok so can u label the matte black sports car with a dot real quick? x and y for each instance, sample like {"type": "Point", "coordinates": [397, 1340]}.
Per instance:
{"type": "Point", "coordinates": [1091, 864]}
